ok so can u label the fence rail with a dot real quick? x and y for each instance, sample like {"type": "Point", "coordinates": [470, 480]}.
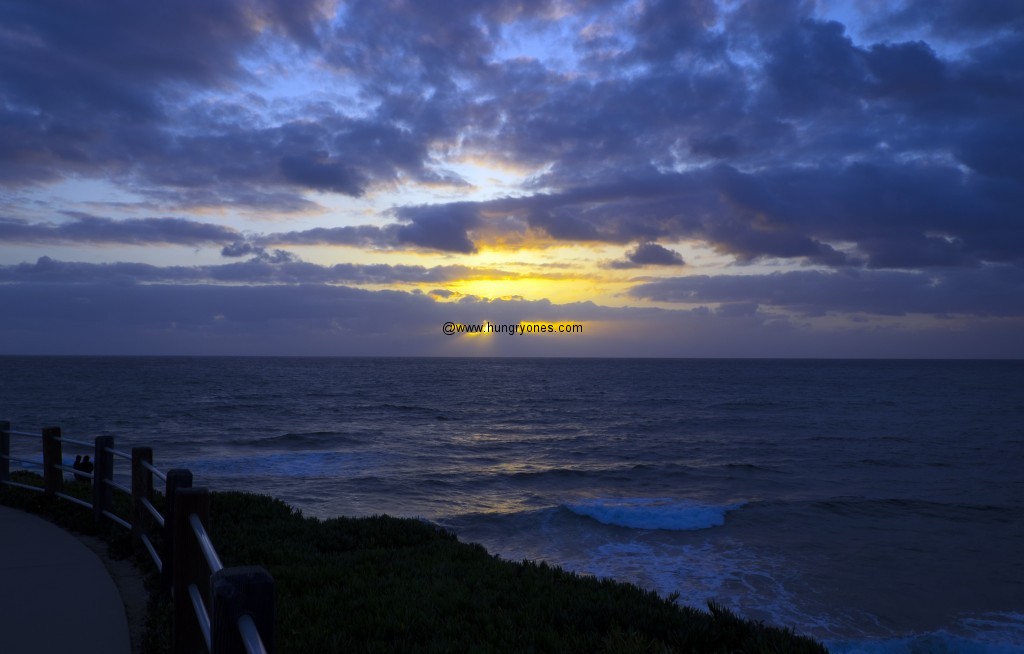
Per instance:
{"type": "Point", "coordinates": [216, 609]}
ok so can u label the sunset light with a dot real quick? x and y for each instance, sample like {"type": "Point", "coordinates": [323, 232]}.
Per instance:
{"type": "Point", "coordinates": [687, 164]}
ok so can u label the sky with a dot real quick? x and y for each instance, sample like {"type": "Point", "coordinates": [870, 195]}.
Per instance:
{"type": "Point", "coordinates": [683, 178]}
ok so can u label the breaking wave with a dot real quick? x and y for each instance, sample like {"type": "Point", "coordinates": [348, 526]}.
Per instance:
{"type": "Point", "coordinates": [653, 513]}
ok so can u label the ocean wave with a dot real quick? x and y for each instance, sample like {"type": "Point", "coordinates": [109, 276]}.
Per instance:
{"type": "Point", "coordinates": [609, 473]}
{"type": "Point", "coordinates": [407, 408]}
{"type": "Point", "coordinates": [854, 506]}
{"type": "Point", "coordinates": [749, 467]}
{"type": "Point", "coordinates": [555, 473]}
{"type": "Point", "coordinates": [884, 463]}
{"type": "Point", "coordinates": [299, 440]}
{"type": "Point", "coordinates": [303, 464]}
{"type": "Point", "coordinates": [748, 404]}
{"type": "Point", "coordinates": [653, 513]}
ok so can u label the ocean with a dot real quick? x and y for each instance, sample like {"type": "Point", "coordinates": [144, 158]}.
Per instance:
{"type": "Point", "coordinates": [875, 505]}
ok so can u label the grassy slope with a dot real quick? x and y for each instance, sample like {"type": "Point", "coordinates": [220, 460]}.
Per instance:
{"type": "Point", "coordinates": [387, 584]}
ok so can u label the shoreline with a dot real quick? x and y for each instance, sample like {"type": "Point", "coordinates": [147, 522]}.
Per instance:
{"type": "Point", "coordinates": [403, 584]}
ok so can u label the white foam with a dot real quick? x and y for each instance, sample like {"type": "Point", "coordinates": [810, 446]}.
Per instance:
{"type": "Point", "coordinates": [1002, 626]}
{"type": "Point", "coordinates": [653, 513]}
{"type": "Point", "coordinates": [753, 584]}
{"type": "Point", "coordinates": [985, 633]}
{"type": "Point", "coordinates": [302, 464]}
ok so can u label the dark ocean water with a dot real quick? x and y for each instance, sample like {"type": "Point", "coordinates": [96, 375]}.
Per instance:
{"type": "Point", "coordinates": [877, 505]}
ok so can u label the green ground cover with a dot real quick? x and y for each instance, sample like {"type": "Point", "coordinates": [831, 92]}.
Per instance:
{"type": "Point", "coordinates": [385, 584]}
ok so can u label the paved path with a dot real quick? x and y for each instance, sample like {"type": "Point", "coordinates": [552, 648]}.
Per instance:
{"type": "Point", "coordinates": [55, 594]}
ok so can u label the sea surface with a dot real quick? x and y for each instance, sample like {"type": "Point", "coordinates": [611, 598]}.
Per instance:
{"type": "Point", "coordinates": [875, 505]}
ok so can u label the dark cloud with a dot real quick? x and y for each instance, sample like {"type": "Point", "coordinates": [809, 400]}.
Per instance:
{"type": "Point", "coordinates": [434, 77]}
{"type": "Point", "coordinates": [239, 249]}
{"type": "Point", "coordinates": [315, 319]}
{"type": "Point", "coordinates": [906, 70]}
{"type": "Point", "coordinates": [369, 236]}
{"type": "Point", "coordinates": [276, 256]}
{"type": "Point", "coordinates": [649, 254]}
{"type": "Point", "coordinates": [113, 57]}
{"type": "Point", "coordinates": [229, 159]}
{"type": "Point", "coordinates": [408, 42]}
{"type": "Point", "coordinates": [988, 291]}
{"type": "Point", "coordinates": [442, 227]}
{"type": "Point", "coordinates": [274, 267]}
{"type": "Point", "coordinates": [47, 270]}
{"type": "Point", "coordinates": [84, 228]}
{"type": "Point", "coordinates": [996, 150]}
{"type": "Point", "coordinates": [667, 29]}
{"type": "Point", "coordinates": [717, 146]}
{"type": "Point", "coordinates": [207, 319]}
{"type": "Point", "coordinates": [813, 67]}
{"type": "Point", "coordinates": [951, 19]}
{"type": "Point", "coordinates": [105, 91]}
{"type": "Point", "coordinates": [907, 215]}
{"type": "Point", "coordinates": [438, 228]}
{"type": "Point", "coordinates": [243, 249]}
{"type": "Point", "coordinates": [431, 45]}
{"type": "Point", "coordinates": [84, 81]}
{"type": "Point", "coordinates": [319, 172]}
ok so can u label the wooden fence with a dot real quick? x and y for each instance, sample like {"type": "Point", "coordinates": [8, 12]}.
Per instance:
{"type": "Point", "coordinates": [216, 609]}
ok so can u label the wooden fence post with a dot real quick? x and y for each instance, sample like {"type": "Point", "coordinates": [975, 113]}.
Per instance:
{"type": "Point", "coordinates": [103, 471]}
{"type": "Point", "coordinates": [5, 451]}
{"type": "Point", "coordinates": [189, 568]}
{"type": "Point", "coordinates": [245, 590]}
{"type": "Point", "coordinates": [177, 479]}
{"type": "Point", "coordinates": [142, 488]}
{"type": "Point", "coordinates": [53, 477]}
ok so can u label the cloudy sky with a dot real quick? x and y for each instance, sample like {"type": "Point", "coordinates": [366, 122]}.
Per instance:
{"type": "Point", "coordinates": [681, 177]}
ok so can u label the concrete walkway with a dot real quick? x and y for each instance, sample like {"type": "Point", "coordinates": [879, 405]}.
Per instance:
{"type": "Point", "coordinates": [55, 594]}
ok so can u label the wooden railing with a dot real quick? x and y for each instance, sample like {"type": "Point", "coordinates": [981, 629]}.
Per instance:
{"type": "Point", "coordinates": [216, 609]}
